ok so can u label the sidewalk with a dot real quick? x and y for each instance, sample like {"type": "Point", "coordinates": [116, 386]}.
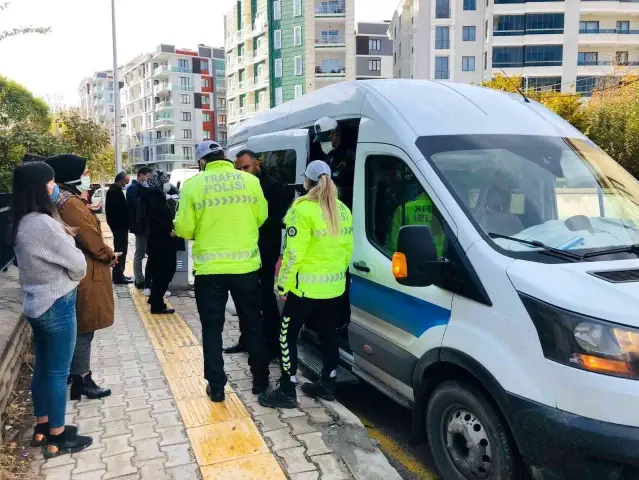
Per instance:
{"type": "Point", "coordinates": [159, 423]}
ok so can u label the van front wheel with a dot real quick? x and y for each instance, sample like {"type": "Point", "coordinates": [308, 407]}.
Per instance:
{"type": "Point", "coordinates": [467, 438]}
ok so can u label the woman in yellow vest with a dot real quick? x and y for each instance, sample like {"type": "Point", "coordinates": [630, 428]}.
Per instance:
{"type": "Point", "coordinates": [319, 245]}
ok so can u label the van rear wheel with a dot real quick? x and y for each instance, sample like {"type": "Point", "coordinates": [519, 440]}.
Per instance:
{"type": "Point", "coordinates": [467, 438]}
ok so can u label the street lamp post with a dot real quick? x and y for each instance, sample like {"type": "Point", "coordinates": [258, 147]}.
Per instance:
{"type": "Point", "coordinates": [116, 94]}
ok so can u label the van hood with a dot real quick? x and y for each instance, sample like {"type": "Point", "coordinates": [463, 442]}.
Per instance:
{"type": "Point", "coordinates": [575, 287]}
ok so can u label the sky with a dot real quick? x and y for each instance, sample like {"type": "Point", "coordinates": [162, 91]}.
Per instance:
{"type": "Point", "coordinates": [52, 66]}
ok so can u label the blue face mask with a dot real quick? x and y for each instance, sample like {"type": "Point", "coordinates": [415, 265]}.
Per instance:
{"type": "Point", "coordinates": [56, 193]}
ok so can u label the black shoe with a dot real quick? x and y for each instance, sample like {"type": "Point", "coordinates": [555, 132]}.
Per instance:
{"type": "Point", "coordinates": [281, 397]}
{"type": "Point", "coordinates": [215, 394]}
{"type": "Point", "coordinates": [164, 311]}
{"type": "Point", "coordinates": [40, 432]}
{"type": "Point", "coordinates": [323, 388]}
{"type": "Point", "coordinates": [237, 348]}
{"type": "Point", "coordinates": [67, 442]}
{"type": "Point", "coordinates": [139, 285]}
{"type": "Point", "coordinates": [259, 388]}
{"type": "Point", "coordinates": [87, 387]}
{"type": "Point", "coordinates": [122, 281]}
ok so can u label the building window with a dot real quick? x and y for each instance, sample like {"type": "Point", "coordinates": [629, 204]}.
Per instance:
{"type": "Point", "coordinates": [589, 27]}
{"type": "Point", "coordinates": [468, 64]}
{"type": "Point", "coordinates": [298, 91]}
{"type": "Point", "coordinates": [298, 65]}
{"type": "Point", "coordinates": [183, 64]}
{"type": "Point", "coordinates": [442, 38]}
{"type": "Point", "coordinates": [277, 10]}
{"type": "Point", "coordinates": [185, 98]}
{"type": "Point", "coordinates": [297, 36]}
{"type": "Point", "coordinates": [469, 33]}
{"type": "Point", "coordinates": [204, 65]}
{"type": "Point", "coordinates": [485, 60]}
{"type": "Point", "coordinates": [470, 4]}
{"type": "Point", "coordinates": [543, 83]}
{"type": "Point", "coordinates": [297, 8]}
{"type": "Point", "coordinates": [206, 117]}
{"type": "Point", "coordinates": [375, 45]}
{"type": "Point", "coordinates": [221, 119]}
{"type": "Point", "coordinates": [206, 82]}
{"type": "Point", "coordinates": [279, 98]}
{"type": "Point", "coordinates": [186, 116]}
{"type": "Point", "coordinates": [187, 133]}
{"type": "Point", "coordinates": [442, 9]}
{"type": "Point", "coordinates": [206, 135]}
{"type": "Point", "coordinates": [623, 26]}
{"type": "Point", "coordinates": [374, 65]}
{"type": "Point", "coordinates": [277, 39]}
{"type": "Point", "coordinates": [441, 68]}
{"type": "Point", "coordinates": [206, 101]}
{"type": "Point", "coordinates": [185, 81]}
{"type": "Point", "coordinates": [587, 58]}
{"type": "Point", "coordinates": [621, 58]}
{"type": "Point", "coordinates": [278, 68]}
{"type": "Point", "coordinates": [530, 56]}
{"type": "Point", "coordinates": [187, 152]}
{"type": "Point", "coordinates": [529, 24]}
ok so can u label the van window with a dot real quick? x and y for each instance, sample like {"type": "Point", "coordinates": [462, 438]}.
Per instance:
{"type": "Point", "coordinates": [395, 198]}
{"type": "Point", "coordinates": [280, 164]}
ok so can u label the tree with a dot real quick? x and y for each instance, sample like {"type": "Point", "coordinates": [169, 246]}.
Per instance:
{"type": "Point", "coordinates": [12, 32]}
{"type": "Point", "coordinates": [18, 106]}
{"type": "Point", "coordinates": [102, 166]}
{"type": "Point", "coordinates": [567, 105]}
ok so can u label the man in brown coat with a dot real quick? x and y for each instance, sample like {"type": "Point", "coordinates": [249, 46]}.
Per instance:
{"type": "Point", "coordinates": [94, 305]}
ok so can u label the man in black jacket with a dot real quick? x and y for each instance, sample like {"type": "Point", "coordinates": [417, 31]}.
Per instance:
{"type": "Point", "coordinates": [117, 216]}
{"type": "Point", "coordinates": [279, 198]}
{"type": "Point", "coordinates": [132, 200]}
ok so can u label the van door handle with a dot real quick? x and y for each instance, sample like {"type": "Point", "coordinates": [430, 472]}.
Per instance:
{"type": "Point", "coordinates": [361, 266]}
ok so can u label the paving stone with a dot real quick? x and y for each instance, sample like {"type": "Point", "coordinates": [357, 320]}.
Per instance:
{"type": "Point", "coordinates": [247, 396]}
{"type": "Point", "coordinates": [314, 444]}
{"type": "Point", "coordinates": [58, 473]}
{"type": "Point", "coordinates": [134, 382]}
{"type": "Point", "coordinates": [86, 426]}
{"type": "Point", "coordinates": [143, 431]}
{"type": "Point", "coordinates": [88, 461]}
{"type": "Point", "coordinates": [117, 445]}
{"type": "Point", "coordinates": [281, 438]}
{"type": "Point", "coordinates": [97, 474]}
{"type": "Point", "coordinates": [239, 374]}
{"type": "Point", "coordinates": [305, 402]}
{"type": "Point", "coordinates": [172, 435]}
{"type": "Point", "coordinates": [155, 384]}
{"type": "Point", "coordinates": [115, 428]}
{"type": "Point", "coordinates": [153, 469]}
{"type": "Point", "coordinates": [112, 380]}
{"type": "Point", "coordinates": [116, 400]}
{"type": "Point", "coordinates": [190, 471]}
{"type": "Point", "coordinates": [147, 450]}
{"type": "Point", "coordinates": [88, 411]}
{"type": "Point", "coordinates": [168, 419]}
{"type": "Point", "coordinates": [178, 455]}
{"type": "Point", "coordinates": [330, 467]}
{"type": "Point", "coordinates": [140, 416]}
{"type": "Point", "coordinates": [257, 409]}
{"type": "Point", "coordinates": [60, 461]}
{"type": "Point", "coordinates": [300, 425]}
{"type": "Point", "coordinates": [119, 466]}
{"type": "Point", "coordinates": [319, 415]}
{"type": "Point", "coordinates": [163, 406]}
{"type": "Point", "coordinates": [159, 394]}
{"type": "Point", "coordinates": [305, 476]}
{"type": "Point", "coordinates": [290, 412]}
{"type": "Point", "coordinates": [133, 392]}
{"type": "Point", "coordinates": [114, 414]}
{"type": "Point", "coordinates": [296, 460]}
{"type": "Point", "coordinates": [269, 422]}
{"type": "Point", "coordinates": [153, 374]}
{"type": "Point", "coordinates": [243, 385]}
{"type": "Point", "coordinates": [137, 403]}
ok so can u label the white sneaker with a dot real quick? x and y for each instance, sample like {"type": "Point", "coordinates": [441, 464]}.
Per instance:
{"type": "Point", "coordinates": [147, 292]}
{"type": "Point", "coordinates": [167, 294]}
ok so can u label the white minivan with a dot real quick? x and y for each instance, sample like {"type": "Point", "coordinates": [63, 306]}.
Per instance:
{"type": "Point", "coordinates": [505, 310]}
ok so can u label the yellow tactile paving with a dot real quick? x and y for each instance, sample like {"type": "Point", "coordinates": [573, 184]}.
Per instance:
{"type": "Point", "coordinates": [197, 412]}
{"type": "Point", "coordinates": [263, 467]}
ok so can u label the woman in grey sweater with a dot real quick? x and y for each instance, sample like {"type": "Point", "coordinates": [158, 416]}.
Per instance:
{"type": "Point", "coordinates": [50, 267]}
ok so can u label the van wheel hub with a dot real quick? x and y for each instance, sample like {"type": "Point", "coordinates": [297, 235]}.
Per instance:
{"type": "Point", "coordinates": [468, 444]}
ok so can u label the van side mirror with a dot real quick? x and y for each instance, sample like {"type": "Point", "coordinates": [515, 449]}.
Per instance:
{"type": "Point", "coordinates": [415, 263]}
{"type": "Point", "coordinates": [179, 184]}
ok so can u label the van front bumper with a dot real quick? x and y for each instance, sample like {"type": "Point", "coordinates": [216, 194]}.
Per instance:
{"type": "Point", "coordinates": [561, 445]}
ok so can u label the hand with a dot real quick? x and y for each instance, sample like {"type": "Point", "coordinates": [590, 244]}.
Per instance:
{"type": "Point", "coordinates": [173, 233]}
{"type": "Point", "coordinates": [114, 261]}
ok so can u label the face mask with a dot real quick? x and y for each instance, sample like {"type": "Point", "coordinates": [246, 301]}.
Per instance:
{"type": "Point", "coordinates": [166, 187]}
{"type": "Point", "coordinates": [56, 193]}
{"type": "Point", "coordinates": [327, 147]}
{"type": "Point", "coordinates": [145, 184]}
{"type": "Point", "coordinates": [85, 184]}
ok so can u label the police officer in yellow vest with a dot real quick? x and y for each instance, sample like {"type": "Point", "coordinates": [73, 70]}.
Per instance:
{"type": "Point", "coordinates": [319, 245]}
{"type": "Point", "coordinates": [222, 209]}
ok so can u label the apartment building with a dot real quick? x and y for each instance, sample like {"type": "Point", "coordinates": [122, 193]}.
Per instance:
{"type": "Point", "coordinates": [568, 46]}
{"type": "Point", "coordinates": [172, 99]}
{"type": "Point", "coordinates": [278, 50]}
{"type": "Point", "coordinates": [374, 50]}
{"type": "Point", "coordinates": [97, 101]}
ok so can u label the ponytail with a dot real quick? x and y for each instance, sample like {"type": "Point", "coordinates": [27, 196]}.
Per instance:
{"type": "Point", "coordinates": [325, 193]}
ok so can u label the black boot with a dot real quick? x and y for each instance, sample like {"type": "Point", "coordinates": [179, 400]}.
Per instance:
{"type": "Point", "coordinates": [215, 394]}
{"type": "Point", "coordinates": [284, 396]}
{"type": "Point", "coordinates": [67, 442]}
{"type": "Point", "coordinates": [87, 387]}
{"type": "Point", "coordinates": [237, 348]}
{"type": "Point", "coordinates": [323, 388]}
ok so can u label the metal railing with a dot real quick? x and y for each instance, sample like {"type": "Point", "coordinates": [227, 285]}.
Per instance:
{"type": "Point", "coordinates": [442, 44]}
{"type": "Point", "coordinates": [6, 249]}
{"type": "Point", "coordinates": [330, 40]}
{"type": "Point", "coordinates": [333, 70]}
{"type": "Point", "coordinates": [327, 9]}
{"type": "Point", "coordinates": [618, 31]}
{"type": "Point", "coordinates": [536, 31]}
{"type": "Point", "coordinates": [174, 157]}
{"type": "Point", "coordinates": [442, 13]}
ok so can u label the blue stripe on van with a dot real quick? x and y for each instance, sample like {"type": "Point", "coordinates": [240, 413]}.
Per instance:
{"type": "Point", "coordinates": [405, 312]}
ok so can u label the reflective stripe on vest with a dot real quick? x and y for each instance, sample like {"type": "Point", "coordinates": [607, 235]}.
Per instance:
{"type": "Point", "coordinates": [208, 256]}
{"type": "Point", "coordinates": [343, 231]}
{"type": "Point", "coordinates": [321, 278]}
{"type": "Point", "coordinates": [222, 201]}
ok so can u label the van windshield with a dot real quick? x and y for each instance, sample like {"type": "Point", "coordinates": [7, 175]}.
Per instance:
{"type": "Point", "coordinates": [563, 192]}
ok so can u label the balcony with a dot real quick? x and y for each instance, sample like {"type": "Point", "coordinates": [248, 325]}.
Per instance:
{"type": "Point", "coordinates": [331, 41]}
{"type": "Point", "coordinates": [330, 10]}
{"type": "Point", "coordinates": [161, 87]}
{"type": "Point", "coordinates": [240, 60]}
{"type": "Point", "coordinates": [163, 105]}
{"type": "Point", "coordinates": [173, 157]}
{"type": "Point", "coordinates": [330, 71]}
{"type": "Point", "coordinates": [260, 25]}
{"type": "Point", "coordinates": [442, 13]}
{"type": "Point", "coordinates": [166, 69]}
{"type": "Point", "coordinates": [540, 31]}
{"type": "Point", "coordinates": [163, 121]}
{"type": "Point", "coordinates": [608, 36]}
{"type": "Point", "coordinates": [260, 54]}
{"type": "Point", "coordinates": [442, 44]}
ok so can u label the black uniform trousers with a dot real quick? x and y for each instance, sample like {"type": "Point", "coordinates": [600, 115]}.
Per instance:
{"type": "Point", "coordinates": [270, 247]}
{"type": "Point", "coordinates": [211, 295]}
{"type": "Point", "coordinates": [323, 314]}
{"type": "Point", "coordinates": [120, 244]}
{"type": "Point", "coordinates": [162, 265]}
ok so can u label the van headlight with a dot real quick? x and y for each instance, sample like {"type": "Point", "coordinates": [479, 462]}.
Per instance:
{"type": "Point", "coordinates": [584, 342]}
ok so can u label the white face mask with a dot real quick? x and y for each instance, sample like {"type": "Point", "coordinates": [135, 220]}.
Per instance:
{"type": "Point", "coordinates": [327, 147]}
{"type": "Point", "coordinates": [84, 185]}
{"type": "Point", "coordinates": [166, 187]}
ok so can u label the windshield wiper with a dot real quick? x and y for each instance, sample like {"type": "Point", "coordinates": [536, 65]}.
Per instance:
{"type": "Point", "coordinates": [538, 244]}
{"type": "Point", "coordinates": [611, 251]}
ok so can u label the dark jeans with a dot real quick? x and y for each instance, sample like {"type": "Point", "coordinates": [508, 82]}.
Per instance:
{"type": "Point", "coordinates": [162, 264]}
{"type": "Point", "coordinates": [211, 295]}
{"type": "Point", "coordinates": [54, 334]}
{"type": "Point", "coordinates": [270, 253]}
{"type": "Point", "coordinates": [120, 244]}
{"type": "Point", "coordinates": [297, 312]}
{"type": "Point", "coordinates": [81, 362]}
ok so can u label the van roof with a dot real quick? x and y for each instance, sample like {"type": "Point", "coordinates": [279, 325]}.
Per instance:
{"type": "Point", "coordinates": [427, 107]}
